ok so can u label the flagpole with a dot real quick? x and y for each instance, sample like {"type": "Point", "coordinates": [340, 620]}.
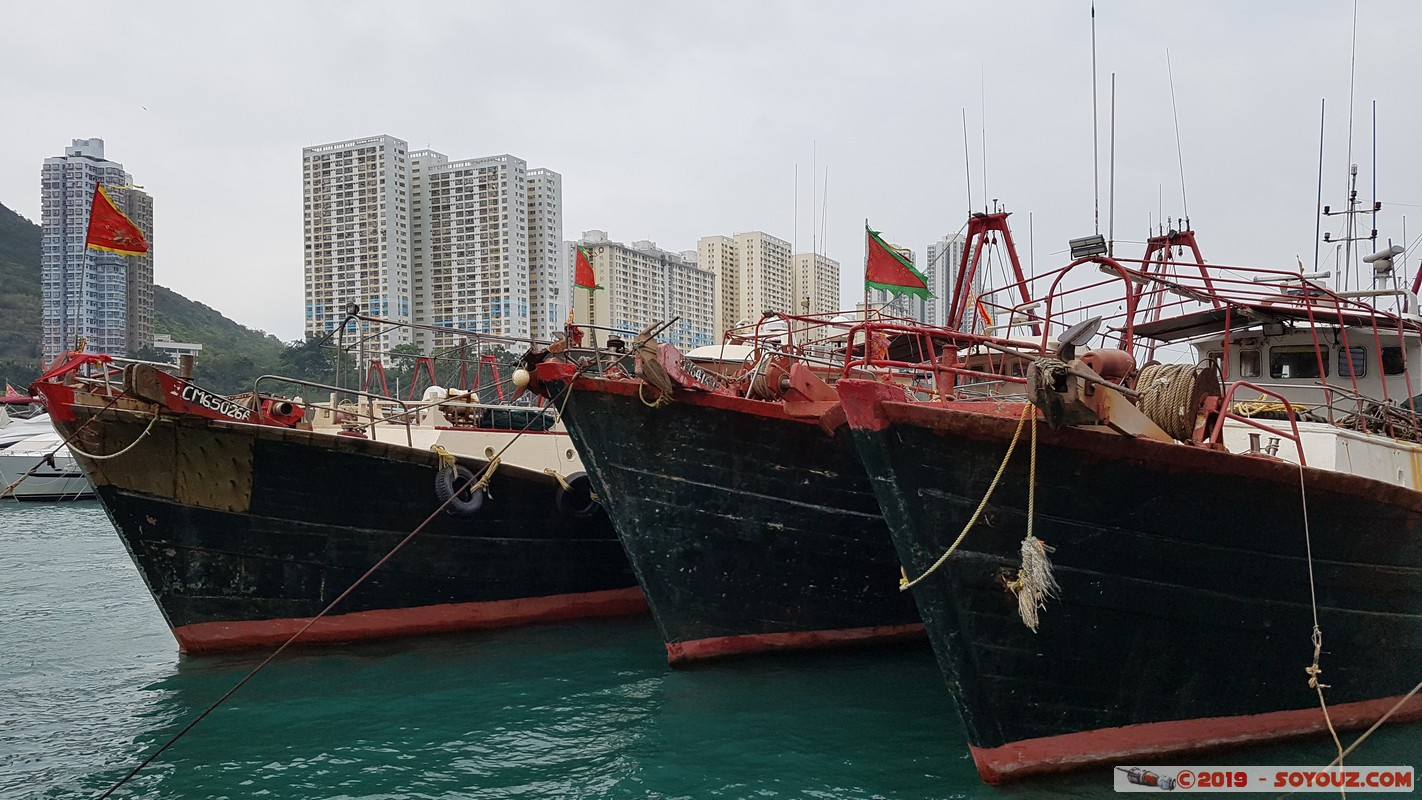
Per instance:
{"type": "Point", "coordinates": [83, 269]}
{"type": "Point", "coordinates": [866, 269]}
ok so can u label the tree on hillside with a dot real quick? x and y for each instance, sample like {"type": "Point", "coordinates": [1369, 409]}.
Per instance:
{"type": "Point", "coordinates": [150, 354]}
{"type": "Point", "coordinates": [310, 360]}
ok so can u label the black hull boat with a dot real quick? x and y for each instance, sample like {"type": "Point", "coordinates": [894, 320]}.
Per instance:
{"type": "Point", "coordinates": [245, 530]}
{"type": "Point", "coordinates": [750, 529]}
{"type": "Point", "coordinates": [1183, 619]}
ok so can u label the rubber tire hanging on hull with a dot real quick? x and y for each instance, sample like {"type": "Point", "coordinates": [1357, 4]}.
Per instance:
{"type": "Point", "coordinates": [577, 500]}
{"type": "Point", "coordinates": [450, 479]}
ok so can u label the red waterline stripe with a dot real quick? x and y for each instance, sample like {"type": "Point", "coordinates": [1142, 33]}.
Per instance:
{"type": "Point", "coordinates": [702, 649]}
{"type": "Point", "coordinates": [1150, 740]}
{"type": "Point", "coordinates": [212, 637]}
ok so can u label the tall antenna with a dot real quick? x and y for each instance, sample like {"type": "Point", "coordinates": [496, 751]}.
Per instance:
{"type": "Point", "coordinates": [1111, 184]}
{"type": "Point", "coordinates": [1095, 147]}
{"type": "Point", "coordinates": [1351, 186]}
{"type": "Point", "coordinates": [795, 236]}
{"type": "Point", "coordinates": [967, 162]}
{"type": "Point", "coordinates": [1352, 75]}
{"type": "Point", "coordinates": [1031, 245]}
{"type": "Point", "coordinates": [1375, 174]}
{"type": "Point", "coordinates": [982, 109]}
{"type": "Point", "coordinates": [1179, 155]}
{"type": "Point", "coordinates": [1318, 209]}
{"type": "Point", "coordinates": [824, 210]}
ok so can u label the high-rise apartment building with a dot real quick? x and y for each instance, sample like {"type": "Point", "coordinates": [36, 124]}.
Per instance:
{"type": "Point", "coordinates": [104, 298]}
{"type": "Point", "coordinates": [643, 284]}
{"type": "Point", "coordinates": [356, 199]}
{"type": "Point", "coordinates": [944, 258]}
{"type": "Point", "coordinates": [816, 283]}
{"type": "Point", "coordinates": [753, 275]}
{"type": "Point", "coordinates": [548, 276]}
{"type": "Point", "coordinates": [470, 245]}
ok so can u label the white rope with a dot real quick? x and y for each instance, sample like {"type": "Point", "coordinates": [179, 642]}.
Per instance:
{"type": "Point", "coordinates": [132, 445]}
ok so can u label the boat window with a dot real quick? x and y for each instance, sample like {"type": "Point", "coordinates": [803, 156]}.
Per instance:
{"type": "Point", "coordinates": [1352, 362]}
{"type": "Point", "coordinates": [1393, 361]}
{"type": "Point", "coordinates": [1216, 357]}
{"type": "Point", "coordinates": [1297, 362]}
{"type": "Point", "coordinates": [1249, 363]}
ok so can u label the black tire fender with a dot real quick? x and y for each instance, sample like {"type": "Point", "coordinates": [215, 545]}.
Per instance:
{"type": "Point", "coordinates": [451, 487]}
{"type": "Point", "coordinates": [577, 500]}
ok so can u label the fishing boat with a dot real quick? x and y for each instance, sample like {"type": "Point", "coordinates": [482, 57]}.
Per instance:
{"type": "Point", "coordinates": [748, 521]}
{"type": "Point", "coordinates": [247, 522]}
{"type": "Point", "coordinates": [1129, 560]}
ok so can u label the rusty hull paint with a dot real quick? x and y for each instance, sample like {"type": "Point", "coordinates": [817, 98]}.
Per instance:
{"type": "Point", "coordinates": [1184, 584]}
{"type": "Point", "coordinates": [253, 526]}
{"type": "Point", "coordinates": [748, 528]}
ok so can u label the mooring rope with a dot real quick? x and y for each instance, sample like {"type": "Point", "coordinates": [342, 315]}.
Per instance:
{"type": "Point", "coordinates": [1027, 410]}
{"type": "Point", "coordinates": [1035, 582]}
{"type": "Point", "coordinates": [131, 445]}
{"type": "Point", "coordinates": [485, 474]}
{"type": "Point", "coordinates": [1314, 670]}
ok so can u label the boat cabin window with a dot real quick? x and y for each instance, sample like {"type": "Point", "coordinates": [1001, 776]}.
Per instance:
{"type": "Point", "coordinates": [1249, 363]}
{"type": "Point", "coordinates": [1216, 357]}
{"type": "Point", "coordinates": [1393, 361]}
{"type": "Point", "coordinates": [1352, 362]}
{"type": "Point", "coordinates": [1297, 362]}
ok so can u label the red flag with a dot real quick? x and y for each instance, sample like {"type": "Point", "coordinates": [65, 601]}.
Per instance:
{"type": "Point", "coordinates": [885, 268]}
{"type": "Point", "coordinates": [583, 276]}
{"type": "Point", "coordinates": [111, 230]}
{"type": "Point", "coordinates": [983, 315]}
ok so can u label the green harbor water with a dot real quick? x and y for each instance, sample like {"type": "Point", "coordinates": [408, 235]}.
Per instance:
{"type": "Point", "coordinates": [91, 683]}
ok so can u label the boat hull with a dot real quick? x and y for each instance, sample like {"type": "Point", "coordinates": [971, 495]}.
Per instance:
{"type": "Point", "coordinates": [749, 530]}
{"type": "Point", "coordinates": [244, 533]}
{"type": "Point", "coordinates": [1184, 617]}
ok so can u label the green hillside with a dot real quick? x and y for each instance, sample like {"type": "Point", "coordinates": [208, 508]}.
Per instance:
{"type": "Point", "coordinates": [233, 355]}
{"type": "Point", "coordinates": [19, 287]}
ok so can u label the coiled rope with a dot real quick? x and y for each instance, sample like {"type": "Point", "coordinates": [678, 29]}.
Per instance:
{"type": "Point", "coordinates": [654, 373]}
{"type": "Point", "coordinates": [1170, 396]}
{"type": "Point", "coordinates": [1027, 410]}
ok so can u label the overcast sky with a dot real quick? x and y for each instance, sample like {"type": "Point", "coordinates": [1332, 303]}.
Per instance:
{"type": "Point", "coordinates": [674, 120]}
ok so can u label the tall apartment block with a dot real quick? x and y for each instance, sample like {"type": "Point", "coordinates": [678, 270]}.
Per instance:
{"type": "Point", "coordinates": [104, 298]}
{"type": "Point", "coordinates": [643, 284]}
{"type": "Point", "coordinates": [755, 273]}
{"type": "Point", "coordinates": [549, 278]}
{"type": "Point", "coordinates": [469, 245]}
{"type": "Point", "coordinates": [944, 258]}
{"type": "Point", "coordinates": [816, 283]}
{"type": "Point", "coordinates": [356, 212]}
